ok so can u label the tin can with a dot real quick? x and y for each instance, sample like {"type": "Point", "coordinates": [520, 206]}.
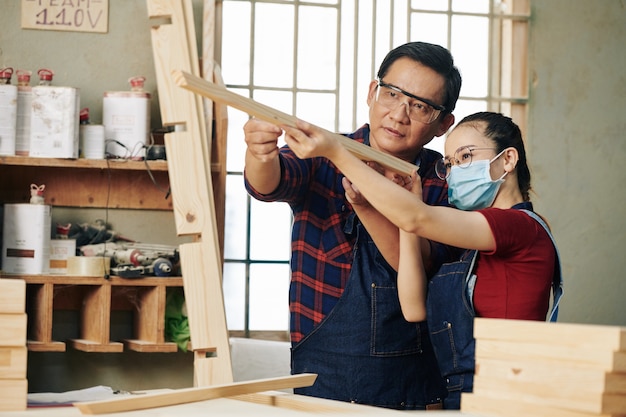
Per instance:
{"type": "Point", "coordinates": [126, 120]}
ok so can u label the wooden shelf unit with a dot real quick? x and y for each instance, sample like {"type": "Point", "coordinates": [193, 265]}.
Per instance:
{"type": "Point", "coordinates": [95, 298]}
{"type": "Point", "coordinates": [89, 183]}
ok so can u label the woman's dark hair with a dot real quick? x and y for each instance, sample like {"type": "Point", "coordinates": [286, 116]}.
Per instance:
{"type": "Point", "coordinates": [433, 56]}
{"type": "Point", "coordinates": [506, 134]}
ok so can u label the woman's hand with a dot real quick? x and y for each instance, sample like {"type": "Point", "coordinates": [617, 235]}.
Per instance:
{"type": "Point", "coordinates": [414, 184]}
{"type": "Point", "coordinates": [308, 141]}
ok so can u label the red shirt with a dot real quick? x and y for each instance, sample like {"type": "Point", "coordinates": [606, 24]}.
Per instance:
{"type": "Point", "coordinates": [515, 279]}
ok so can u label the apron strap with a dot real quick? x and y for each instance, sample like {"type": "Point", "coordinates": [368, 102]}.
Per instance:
{"type": "Point", "coordinates": [470, 279]}
{"type": "Point", "coordinates": [557, 283]}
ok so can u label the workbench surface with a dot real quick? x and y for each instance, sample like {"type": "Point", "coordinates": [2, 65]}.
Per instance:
{"type": "Point", "coordinates": [245, 406]}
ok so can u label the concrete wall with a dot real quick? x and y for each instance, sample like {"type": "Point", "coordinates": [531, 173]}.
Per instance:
{"type": "Point", "coordinates": [575, 142]}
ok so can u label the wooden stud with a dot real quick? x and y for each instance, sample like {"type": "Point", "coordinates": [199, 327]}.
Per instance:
{"type": "Point", "coordinates": [221, 94]}
{"type": "Point", "coordinates": [188, 150]}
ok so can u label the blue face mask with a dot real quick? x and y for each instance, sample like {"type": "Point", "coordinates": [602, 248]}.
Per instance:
{"type": "Point", "coordinates": [472, 188]}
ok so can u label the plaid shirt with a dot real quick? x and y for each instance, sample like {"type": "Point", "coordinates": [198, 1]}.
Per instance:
{"type": "Point", "coordinates": [321, 250]}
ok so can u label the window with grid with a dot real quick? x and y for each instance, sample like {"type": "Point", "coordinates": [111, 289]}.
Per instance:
{"type": "Point", "coordinates": [315, 59]}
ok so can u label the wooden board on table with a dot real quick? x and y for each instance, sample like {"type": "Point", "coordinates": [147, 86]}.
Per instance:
{"type": "Point", "coordinates": [12, 295]}
{"type": "Point", "coordinates": [13, 394]}
{"type": "Point", "coordinates": [317, 406]}
{"type": "Point", "coordinates": [187, 395]}
{"type": "Point", "coordinates": [552, 395]}
{"type": "Point", "coordinates": [496, 406]}
{"type": "Point", "coordinates": [221, 94]}
{"type": "Point", "coordinates": [505, 350]}
{"type": "Point", "coordinates": [569, 376]}
{"type": "Point", "coordinates": [13, 329]}
{"type": "Point", "coordinates": [604, 337]}
{"type": "Point", "coordinates": [13, 362]}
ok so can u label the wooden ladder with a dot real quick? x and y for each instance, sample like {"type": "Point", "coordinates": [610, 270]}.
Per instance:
{"type": "Point", "coordinates": [189, 150]}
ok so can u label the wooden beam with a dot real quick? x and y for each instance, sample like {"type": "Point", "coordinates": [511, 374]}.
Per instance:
{"type": "Point", "coordinates": [187, 395]}
{"type": "Point", "coordinates": [189, 163]}
{"type": "Point", "coordinates": [220, 94]}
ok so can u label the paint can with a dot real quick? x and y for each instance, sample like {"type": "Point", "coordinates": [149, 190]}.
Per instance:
{"type": "Point", "coordinates": [126, 120]}
{"type": "Point", "coordinates": [92, 141]}
{"type": "Point", "coordinates": [26, 238]}
{"type": "Point", "coordinates": [24, 105]}
{"type": "Point", "coordinates": [8, 112]}
{"type": "Point", "coordinates": [54, 119]}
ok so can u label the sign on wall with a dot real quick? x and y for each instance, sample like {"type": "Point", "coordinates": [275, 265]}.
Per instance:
{"type": "Point", "coordinates": [66, 15]}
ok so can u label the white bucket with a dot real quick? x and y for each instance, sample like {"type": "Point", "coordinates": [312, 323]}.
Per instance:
{"type": "Point", "coordinates": [126, 119]}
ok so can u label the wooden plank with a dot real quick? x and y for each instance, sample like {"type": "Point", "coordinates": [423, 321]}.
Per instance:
{"type": "Point", "coordinates": [13, 362]}
{"type": "Point", "coordinates": [612, 338]}
{"type": "Point", "coordinates": [95, 317]}
{"type": "Point", "coordinates": [208, 69]}
{"type": "Point", "coordinates": [483, 405]}
{"type": "Point", "coordinates": [193, 210]}
{"type": "Point", "coordinates": [94, 164]}
{"type": "Point", "coordinates": [551, 395]}
{"type": "Point", "coordinates": [187, 395]}
{"type": "Point", "coordinates": [219, 147]}
{"type": "Point", "coordinates": [150, 347]}
{"type": "Point", "coordinates": [40, 310]}
{"type": "Point", "coordinates": [505, 350]}
{"type": "Point", "coordinates": [315, 405]}
{"type": "Point", "coordinates": [12, 296]}
{"type": "Point", "coordinates": [206, 313]}
{"type": "Point", "coordinates": [60, 280]}
{"type": "Point", "coordinates": [88, 187]}
{"type": "Point", "coordinates": [85, 345]}
{"type": "Point", "coordinates": [215, 92]}
{"type": "Point", "coordinates": [13, 394]}
{"type": "Point", "coordinates": [568, 377]}
{"type": "Point", "coordinates": [13, 329]}
{"type": "Point", "coordinates": [174, 44]}
{"type": "Point", "coordinates": [192, 190]}
{"type": "Point", "coordinates": [52, 346]}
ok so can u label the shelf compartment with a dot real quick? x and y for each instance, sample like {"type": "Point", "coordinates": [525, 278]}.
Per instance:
{"type": "Point", "coordinates": [94, 298]}
{"type": "Point", "coordinates": [91, 183]}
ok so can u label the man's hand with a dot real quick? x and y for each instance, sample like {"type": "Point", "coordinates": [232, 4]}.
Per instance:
{"type": "Point", "coordinates": [262, 139]}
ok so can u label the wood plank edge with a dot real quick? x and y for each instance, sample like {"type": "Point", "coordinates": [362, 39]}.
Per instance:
{"type": "Point", "coordinates": [187, 395]}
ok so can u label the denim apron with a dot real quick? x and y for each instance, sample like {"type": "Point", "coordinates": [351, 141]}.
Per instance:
{"type": "Point", "coordinates": [364, 351]}
{"type": "Point", "coordinates": [450, 315]}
